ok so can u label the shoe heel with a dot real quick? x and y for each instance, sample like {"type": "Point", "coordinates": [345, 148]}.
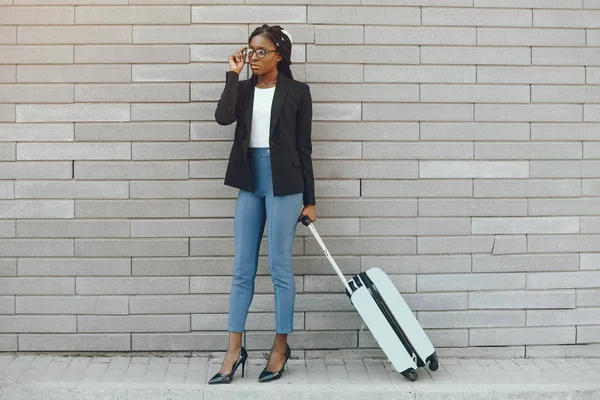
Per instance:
{"type": "Point", "coordinates": [243, 367]}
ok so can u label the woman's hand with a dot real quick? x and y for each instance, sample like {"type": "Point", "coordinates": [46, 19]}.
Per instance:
{"type": "Point", "coordinates": [237, 60]}
{"type": "Point", "coordinates": [310, 211]}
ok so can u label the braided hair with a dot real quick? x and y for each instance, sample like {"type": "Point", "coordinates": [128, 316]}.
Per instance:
{"type": "Point", "coordinates": [282, 40]}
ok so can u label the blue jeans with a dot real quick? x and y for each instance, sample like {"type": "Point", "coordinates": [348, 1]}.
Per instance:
{"type": "Point", "coordinates": [281, 214]}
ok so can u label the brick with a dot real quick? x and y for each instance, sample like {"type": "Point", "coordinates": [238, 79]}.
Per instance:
{"type": "Point", "coordinates": [592, 75]}
{"type": "Point", "coordinates": [72, 305]}
{"type": "Point", "coordinates": [590, 261]}
{"type": "Point", "coordinates": [180, 304]}
{"type": "Point", "coordinates": [509, 244]}
{"type": "Point", "coordinates": [474, 131]}
{"type": "Point", "coordinates": [367, 208]}
{"type": "Point", "coordinates": [72, 112]}
{"type": "Point", "coordinates": [455, 244]}
{"type": "Point", "coordinates": [475, 55]}
{"type": "Point", "coordinates": [153, 131]}
{"type": "Point", "coordinates": [565, 56]}
{"type": "Point", "coordinates": [531, 37]}
{"type": "Point", "coordinates": [8, 267]}
{"type": "Point", "coordinates": [590, 225]}
{"type": "Point", "coordinates": [308, 340]}
{"type": "Point", "coordinates": [130, 247]}
{"type": "Point", "coordinates": [522, 299]}
{"type": "Point", "coordinates": [8, 73]}
{"type": "Point", "coordinates": [7, 151]}
{"type": "Point", "coordinates": [76, 342]}
{"type": "Point", "coordinates": [528, 3]}
{"type": "Point", "coordinates": [8, 35]}
{"type": "Point", "coordinates": [220, 285]}
{"type": "Point", "coordinates": [372, 54]}
{"type": "Point", "coordinates": [521, 336]}
{"type": "Point", "coordinates": [248, 14]}
{"type": "Point", "coordinates": [7, 305]}
{"type": "Point", "coordinates": [588, 298]}
{"type": "Point", "coordinates": [559, 351]}
{"type": "Point", "coordinates": [36, 93]}
{"type": "Point", "coordinates": [255, 322]}
{"type": "Point", "coordinates": [73, 73]}
{"type": "Point", "coordinates": [449, 282]}
{"type": "Point", "coordinates": [473, 169]}
{"type": "Point", "coordinates": [7, 190]}
{"type": "Point", "coordinates": [443, 3]}
{"type": "Point", "coordinates": [131, 170]}
{"type": "Point", "coordinates": [365, 131]}
{"type": "Point", "coordinates": [475, 93]}
{"type": "Point", "coordinates": [560, 280]}
{"type": "Point", "coordinates": [525, 225]}
{"type": "Point", "coordinates": [590, 187]}
{"type": "Point", "coordinates": [36, 209]}
{"type": "Point", "coordinates": [132, 54]}
{"type": "Point", "coordinates": [417, 111]}
{"type": "Point", "coordinates": [416, 188]}
{"type": "Point", "coordinates": [187, 34]}
{"type": "Point", "coordinates": [207, 189]}
{"type": "Point", "coordinates": [336, 321]}
{"type": "Point", "coordinates": [72, 228]}
{"type": "Point", "coordinates": [23, 132]}
{"type": "Point", "coordinates": [337, 112]}
{"type": "Point", "coordinates": [365, 246]}
{"type": "Point", "coordinates": [591, 150]}
{"type": "Point", "coordinates": [37, 286]}
{"type": "Point", "coordinates": [563, 243]}
{"type": "Point", "coordinates": [37, 324]}
{"type": "Point", "coordinates": [590, 4]}
{"type": "Point", "coordinates": [181, 151]}
{"type": "Point", "coordinates": [132, 93]}
{"type": "Point", "coordinates": [528, 112]}
{"type": "Point", "coordinates": [208, 169]}
{"type": "Point", "coordinates": [591, 112]}
{"type": "Point", "coordinates": [527, 188]}
{"type": "Point", "coordinates": [420, 73]}
{"type": "Point", "coordinates": [74, 34]}
{"type": "Point", "coordinates": [532, 74]}
{"type": "Point", "coordinates": [36, 54]}
{"type": "Point", "coordinates": [319, 283]}
{"type": "Point", "coordinates": [582, 206]}
{"type": "Point", "coordinates": [209, 92]}
{"type": "Point", "coordinates": [224, 247]}
{"type": "Point", "coordinates": [593, 37]}
{"type": "Point", "coordinates": [365, 92]}
{"type": "Point", "coordinates": [330, 73]}
{"type": "Point", "coordinates": [566, 18]}
{"type": "Point", "coordinates": [7, 113]}
{"type": "Point", "coordinates": [415, 226]}
{"type": "Point", "coordinates": [417, 150]}
{"type": "Point", "coordinates": [365, 15]}
{"type": "Point", "coordinates": [588, 334]}
{"type": "Point", "coordinates": [476, 17]}
{"type": "Point", "coordinates": [36, 170]}
{"type": "Point", "coordinates": [471, 319]}
{"type": "Point", "coordinates": [182, 228]}
{"type": "Point", "coordinates": [423, 35]}
{"type": "Point", "coordinates": [37, 16]}
{"type": "Point", "coordinates": [106, 15]}
{"type": "Point", "coordinates": [172, 112]}
{"type": "Point", "coordinates": [71, 189]}
{"type": "Point", "coordinates": [565, 94]}
{"type": "Point", "coordinates": [210, 130]}
{"type": "Point", "coordinates": [196, 341]}
{"type": "Point", "coordinates": [365, 169]}
{"type": "Point", "coordinates": [565, 169]}
{"type": "Point", "coordinates": [579, 316]}
{"type": "Point", "coordinates": [73, 151]}
{"type": "Point", "coordinates": [133, 323]}
{"type": "Point", "coordinates": [132, 285]}
{"type": "Point", "coordinates": [475, 207]}
{"type": "Point", "coordinates": [74, 266]}
{"type": "Point", "coordinates": [580, 131]}
{"type": "Point", "coordinates": [332, 34]}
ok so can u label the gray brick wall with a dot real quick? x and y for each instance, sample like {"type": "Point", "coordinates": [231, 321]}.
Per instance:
{"type": "Point", "coordinates": [456, 146]}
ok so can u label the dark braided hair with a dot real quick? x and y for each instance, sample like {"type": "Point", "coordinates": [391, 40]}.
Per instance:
{"type": "Point", "coordinates": [283, 43]}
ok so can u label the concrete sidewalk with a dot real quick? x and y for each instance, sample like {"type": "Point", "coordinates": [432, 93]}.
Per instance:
{"type": "Point", "coordinates": [51, 377]}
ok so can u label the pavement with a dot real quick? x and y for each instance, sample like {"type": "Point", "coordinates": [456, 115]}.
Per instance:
{"type": "Point", "coordinates": [25, 376]}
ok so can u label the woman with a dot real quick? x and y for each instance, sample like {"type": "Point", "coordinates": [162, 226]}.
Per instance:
{"type": "Point", "coordinates": [270, 163]}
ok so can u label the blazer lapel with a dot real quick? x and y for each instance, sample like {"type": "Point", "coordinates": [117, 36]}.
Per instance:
{"type": "Point", "coordinates": [278, 97]}
{"type": "Point", "coordinates": [248, 110]}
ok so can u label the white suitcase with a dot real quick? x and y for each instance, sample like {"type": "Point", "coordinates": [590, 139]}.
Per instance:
{"type": "Point", "coordinates": [387, 316]}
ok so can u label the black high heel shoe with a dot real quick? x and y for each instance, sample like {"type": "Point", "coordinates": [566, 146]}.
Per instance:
{"type": "Point", "coordinates": [227, 378]}
{"type": "Point", "coordinates": [267, 376]}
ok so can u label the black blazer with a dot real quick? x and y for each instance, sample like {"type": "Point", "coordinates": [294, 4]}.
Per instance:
{"type": "Point", "coordinates": [289, 138]}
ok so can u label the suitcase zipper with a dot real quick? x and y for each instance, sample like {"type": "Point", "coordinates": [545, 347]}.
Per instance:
{"type": "Point", "coordinates": [391, 319]}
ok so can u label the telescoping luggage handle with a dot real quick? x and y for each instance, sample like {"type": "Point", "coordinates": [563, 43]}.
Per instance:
{"type": "Point", "coordinates": [306, 222]}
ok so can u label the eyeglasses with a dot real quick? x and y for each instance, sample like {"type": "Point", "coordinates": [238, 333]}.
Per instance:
{"type": "Point", "coordinates": [259, 53]}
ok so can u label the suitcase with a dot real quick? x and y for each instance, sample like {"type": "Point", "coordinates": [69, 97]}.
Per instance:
{"type": "Point", "coordinates": [387, 316]}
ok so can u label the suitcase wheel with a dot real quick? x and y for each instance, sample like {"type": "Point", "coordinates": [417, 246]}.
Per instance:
{"type": "Point", "coordinates": [433, 362]}
{"type": "Point", "coordinates": [410, 374]}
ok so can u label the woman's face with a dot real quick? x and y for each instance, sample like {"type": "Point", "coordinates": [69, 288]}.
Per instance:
{"type": "Point", "coordinates": [269, 62]}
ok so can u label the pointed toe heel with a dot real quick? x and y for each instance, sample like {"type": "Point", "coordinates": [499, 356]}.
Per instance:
{"type": "Point", "coordinates": [268, 376]}
{"type": "Point", "coordinates": [227, 378]}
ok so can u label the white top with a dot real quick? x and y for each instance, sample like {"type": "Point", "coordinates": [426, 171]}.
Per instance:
{"type": "Point", "coordinates": [261, 117]}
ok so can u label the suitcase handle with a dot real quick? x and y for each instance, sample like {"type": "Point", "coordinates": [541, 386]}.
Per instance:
{"type": "Point", "coordinates": [306, 222]}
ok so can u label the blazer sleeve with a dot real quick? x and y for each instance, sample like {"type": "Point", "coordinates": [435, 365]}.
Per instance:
{"type": "Point", "coordinates": [225, 112]}
{"type": "Point", "coordinates": [304, 145]}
